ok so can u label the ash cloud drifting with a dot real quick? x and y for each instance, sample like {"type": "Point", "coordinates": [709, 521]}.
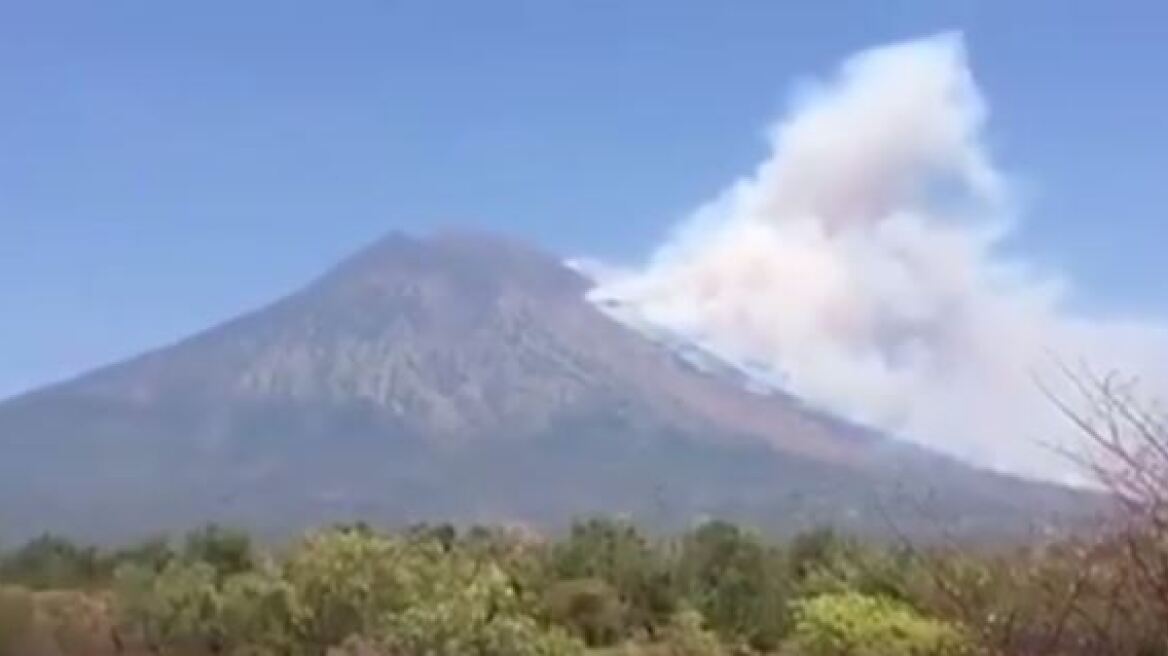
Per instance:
{"type": "Point", "coordinates": [859, 263]}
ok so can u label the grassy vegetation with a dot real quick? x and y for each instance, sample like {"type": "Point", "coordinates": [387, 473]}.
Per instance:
{"type": "Point", "coordinates": [606, 588]}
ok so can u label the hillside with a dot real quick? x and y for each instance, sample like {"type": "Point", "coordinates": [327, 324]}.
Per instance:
{"type": "Point", "coordinates": [462, 376]}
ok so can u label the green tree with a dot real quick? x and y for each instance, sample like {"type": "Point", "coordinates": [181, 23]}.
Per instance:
{"type": "Point", "coordinates": [344, 582]}
{"type": "Point", "coordinates": [468, 608]}
{"type": "Point", "coordinates": [53, 562]}
{"type": "Point", "coordinates": [411, 596]}
{"type": "Point", "coordinates": [444, 534]}
{"type": "Point", "coordinates": [257, 609]}
{"type": "Point", "coordinates": [822, 562]}
{"type": "Point", "coordinates": [154, 553]}
{"type": "Point", "coordinates": [739, 583]}
{"type": "Point", "coordinates": [812, 550]}
{"type": "Point", "coordinates": [177, 607]}
{"type": "Point", "coordinates": [522, 555]}
{"type": "Point", "coordinates": [616, 552]}
{"type": "Point", "coordinates": [228, 551]}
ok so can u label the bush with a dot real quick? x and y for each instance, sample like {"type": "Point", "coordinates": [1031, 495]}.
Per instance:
{"type": "Point", "coordinates": [686, 636]}
{"type": "Point", "coordinates": [51, 562]}
{"type": "Point", "coordinates": [344, 582]}
{"type": "Point", "coordinates": [739, 584]}
{"type": "Point", "coordinates": [616, 552]}
{"type": "Point", "coordinates": [178, 606]}
{"type": "Point", "coordinates": [860, 625]}
{"type": "Point", "coordinates": [155, 554]}
{"type": "Point", "coordinates": [408, 596]}
{"type": "Point", "coordinates": [589, 608]}
{"type": "Point", "coordinates": [257, 608]}
{"type": "Point", "coordinates": [229, 551]}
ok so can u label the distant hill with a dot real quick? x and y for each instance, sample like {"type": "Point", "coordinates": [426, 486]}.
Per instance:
{"type": "Point", "coordinates": [462, 377]}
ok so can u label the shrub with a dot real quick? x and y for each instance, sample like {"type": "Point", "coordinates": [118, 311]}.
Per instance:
{"type": "Point", "coordinates": [739, 584]}
{"type": "Point", "coordinates": [589, 608]}
{"type": "Point", "coordinates": [52, 562]}
{"type": "Point", "coordinates": [229, 551]}
{"type": "Point", "coordinates": [686, 636]}
{"type": "Point", "coordinates": [616, 552]}
{"type": "Point", "coordinates": [257, 609]}
{"type": "Point", "coordinates": [344, 582]}
{"type": "Point", "coordinates": [177, 606]}
{"type": "Point", "coordinates": [861, 625]}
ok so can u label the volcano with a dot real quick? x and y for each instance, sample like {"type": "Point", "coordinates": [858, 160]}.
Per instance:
{"type": "Point", "coordinates": [461, 377]}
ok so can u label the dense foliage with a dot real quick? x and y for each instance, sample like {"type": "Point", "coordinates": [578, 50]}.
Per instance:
{"type": "Point", "coordinates": [861, 625]}
{"type": "Point", "coordinates": [605, 587]}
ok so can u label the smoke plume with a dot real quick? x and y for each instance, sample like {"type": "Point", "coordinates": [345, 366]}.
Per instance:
{"type": "Point", "coordinates": [860, 265]}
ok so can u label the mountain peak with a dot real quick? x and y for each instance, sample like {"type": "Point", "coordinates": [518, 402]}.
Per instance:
{"type": "Point", "coordinates": [479, 260]}
{"type": "Point", "coordinates": [462, 374]}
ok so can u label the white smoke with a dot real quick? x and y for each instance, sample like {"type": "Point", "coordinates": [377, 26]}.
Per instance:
{"type": "Point", "coordinates": [860, 263]}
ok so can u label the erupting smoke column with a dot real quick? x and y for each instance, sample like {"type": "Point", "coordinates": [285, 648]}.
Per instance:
{"type": "Point", "coordinates": [858, 264]}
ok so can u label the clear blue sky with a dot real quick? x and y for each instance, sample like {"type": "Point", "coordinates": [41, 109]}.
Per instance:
{"type": "Point", "coordinates": [165, 165]}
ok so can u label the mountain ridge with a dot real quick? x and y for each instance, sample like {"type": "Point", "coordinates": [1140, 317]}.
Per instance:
{"type": "Point", "coordinates": [463, 375]}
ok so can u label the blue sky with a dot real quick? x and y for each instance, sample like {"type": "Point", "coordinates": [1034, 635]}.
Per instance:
{"type": "Point", "coordinates": [164, 166]}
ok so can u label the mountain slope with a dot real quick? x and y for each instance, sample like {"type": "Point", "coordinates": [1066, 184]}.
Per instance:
{"type": "Point", "coordinates": [462, 376]}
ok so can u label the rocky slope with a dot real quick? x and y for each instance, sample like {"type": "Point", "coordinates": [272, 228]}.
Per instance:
{"type": "Point", "coordinates": [461, 376]}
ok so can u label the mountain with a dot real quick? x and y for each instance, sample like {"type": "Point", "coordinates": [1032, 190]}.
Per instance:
{"type": "Point", "coordinates": [465, 377]}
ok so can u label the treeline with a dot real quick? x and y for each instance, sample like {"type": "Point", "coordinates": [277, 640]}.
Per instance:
{"type": "Point", "coordinates": [606, 587]}
{"type": "Point", "coordinates": [51, 562]}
